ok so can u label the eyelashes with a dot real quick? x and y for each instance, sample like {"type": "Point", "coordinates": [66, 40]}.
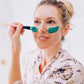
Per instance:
{"type": "Point", "coordinates": [48, 22]}
{"type": "Point", "coordinates": [51, 22]}
{"type": "Point", "coordinates": [36, 22]}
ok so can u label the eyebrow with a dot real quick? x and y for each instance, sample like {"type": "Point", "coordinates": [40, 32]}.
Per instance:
{"type": "Point", "coordinates": [36, 18]}
{"type": "Point", "coordinates": [51, 18]}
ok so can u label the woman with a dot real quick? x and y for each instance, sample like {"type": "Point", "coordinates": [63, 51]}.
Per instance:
{"type": "Point", "coordinates": [50, 64]}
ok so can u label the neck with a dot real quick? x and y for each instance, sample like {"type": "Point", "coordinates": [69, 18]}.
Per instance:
{"type": "Point", "coordinates": [50, 52]}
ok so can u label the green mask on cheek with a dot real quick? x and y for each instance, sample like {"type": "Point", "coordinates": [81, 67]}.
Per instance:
{"type": "Point", "coordinates": [53, 29]}
{"type": "Point", "coordinates": [50, 30]}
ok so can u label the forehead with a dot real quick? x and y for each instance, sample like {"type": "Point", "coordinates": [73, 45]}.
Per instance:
{"type": "Point", "coordinates": [46, 11]}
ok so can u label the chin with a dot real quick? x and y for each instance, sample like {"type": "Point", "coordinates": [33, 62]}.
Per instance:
{"type": "Point", "coordinates": [42, 46]}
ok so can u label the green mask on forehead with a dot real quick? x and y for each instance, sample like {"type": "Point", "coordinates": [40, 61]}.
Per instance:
{"type": "Point", "coordinates": [50, 30]}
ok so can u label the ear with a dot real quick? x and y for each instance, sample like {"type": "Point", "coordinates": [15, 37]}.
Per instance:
{"type": "Point", "coordinates": [65, 30]}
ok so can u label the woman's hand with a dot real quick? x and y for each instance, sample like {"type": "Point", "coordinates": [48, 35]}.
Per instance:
{"type": "Point", "coordinates": [14, 33]}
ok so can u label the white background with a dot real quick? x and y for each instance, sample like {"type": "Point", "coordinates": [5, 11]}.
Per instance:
{"type": "Point", "coordinates": [22, 11]}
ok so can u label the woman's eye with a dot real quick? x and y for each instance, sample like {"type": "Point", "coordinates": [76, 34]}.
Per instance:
{"type": "Point", "coordinates": [51, 21]}
{"type": "Point", "coordinates": [36, 22]}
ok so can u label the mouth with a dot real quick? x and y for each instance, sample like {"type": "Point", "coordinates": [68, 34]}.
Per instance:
{"type": "Point", "coordinates": [43, 38]}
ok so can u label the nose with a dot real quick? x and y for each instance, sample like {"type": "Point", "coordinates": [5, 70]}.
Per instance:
{"type": "Point", "coordinates": [42, 28]}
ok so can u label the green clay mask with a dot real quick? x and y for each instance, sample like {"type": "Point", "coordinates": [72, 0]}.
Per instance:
{"type": "Point", "coordinates": [50, 30]}
{"type": "Point", "coordinates": [34, 29]}
{"type": "Point", "coordinates": [53, 29]}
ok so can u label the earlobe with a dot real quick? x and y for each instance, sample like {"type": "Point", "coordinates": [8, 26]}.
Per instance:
{"type": "Point", "coordinates": [65, 30]}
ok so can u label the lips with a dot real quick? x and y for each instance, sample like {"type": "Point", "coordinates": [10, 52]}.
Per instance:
{"type": "Point", "coordinates": [43, 38]}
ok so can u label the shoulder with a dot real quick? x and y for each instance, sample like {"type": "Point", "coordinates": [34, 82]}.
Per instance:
{"type": "Point", "coordinates": [67, 69]}
{"type": "Point", "coordinates": [73, 70]}
{"type": "Point", "coordinates": [67, 58]}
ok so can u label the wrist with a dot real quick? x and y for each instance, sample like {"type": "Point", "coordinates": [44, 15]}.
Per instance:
{"type": "Point", "coordinates": [15, 55]}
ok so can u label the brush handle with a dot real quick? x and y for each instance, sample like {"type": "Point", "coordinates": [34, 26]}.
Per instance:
{"type": "Point", "coordinates": [27, 27]}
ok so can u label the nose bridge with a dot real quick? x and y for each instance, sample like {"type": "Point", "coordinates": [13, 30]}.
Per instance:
{"type": "Point", "coordinates": [42, 26]}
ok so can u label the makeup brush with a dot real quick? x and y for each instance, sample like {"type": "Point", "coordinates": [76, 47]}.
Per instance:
{"type": "Point", "coordinates": [34, 29]}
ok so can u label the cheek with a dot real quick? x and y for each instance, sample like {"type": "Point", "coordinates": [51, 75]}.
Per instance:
{"type": "Point", "coordinates": [57, 36]}
{"type": "Point", "coordinates": [34, 35]}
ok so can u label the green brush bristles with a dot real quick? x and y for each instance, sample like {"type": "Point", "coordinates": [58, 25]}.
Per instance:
{"type": "Point", "coordinates": [34, 29]}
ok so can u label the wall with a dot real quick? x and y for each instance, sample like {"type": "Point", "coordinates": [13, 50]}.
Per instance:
{"type": "Point", "coordinates": [22, 11]}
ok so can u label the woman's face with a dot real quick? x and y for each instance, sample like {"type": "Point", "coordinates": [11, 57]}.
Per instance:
{"type": "Point", "coordinates": [47, 16]}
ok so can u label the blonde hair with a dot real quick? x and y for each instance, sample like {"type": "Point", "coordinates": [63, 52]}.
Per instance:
{"type": "Point", "coordinates": [69, 8]}
{"type": "Point", "coordinates": [65, 6]}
